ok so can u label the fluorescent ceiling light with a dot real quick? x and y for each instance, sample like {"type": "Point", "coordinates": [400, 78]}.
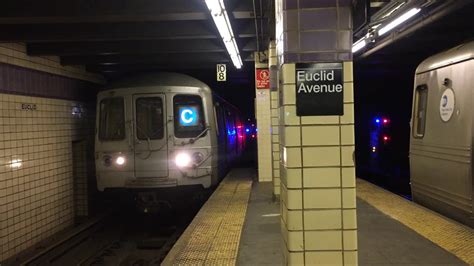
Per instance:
{"type": "Point", "coordinates": [221, 19]}
{"type": "Point", "coordinates": [359, 45]}
{"type": "Point", "coordinates": [398, 21]}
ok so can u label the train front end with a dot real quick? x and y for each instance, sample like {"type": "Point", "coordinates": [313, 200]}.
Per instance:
{"type": "Point", "coordinates": [155, 141]}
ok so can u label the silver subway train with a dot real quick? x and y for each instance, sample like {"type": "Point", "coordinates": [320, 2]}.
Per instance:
{"type": "Point", "coordinates": [163, 131]}
{"type": "Point", "coordinates": [441, 144]}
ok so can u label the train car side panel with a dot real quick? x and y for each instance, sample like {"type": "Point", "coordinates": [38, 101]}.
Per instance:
{"type": "Point", "coordinates": [441, 140]}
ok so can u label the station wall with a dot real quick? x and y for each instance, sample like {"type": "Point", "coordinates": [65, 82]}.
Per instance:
{"type": "Point", "coordinates": [46, 119]}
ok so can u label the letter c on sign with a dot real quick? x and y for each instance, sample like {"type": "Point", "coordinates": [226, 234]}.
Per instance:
{"type": "Point", "coordinates": [187, 116]}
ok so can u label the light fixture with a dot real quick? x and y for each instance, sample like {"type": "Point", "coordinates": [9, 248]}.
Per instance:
{"type": "Point", "coordinates": [221, 19]}
{"type": "Point", "coordinates": [15, 164]}
{"type": "Point", "coordinates": [359, 45]}
{"type": "Point", "coordinates": [398, 21]}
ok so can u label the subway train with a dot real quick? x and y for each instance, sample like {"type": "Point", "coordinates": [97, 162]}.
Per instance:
{"type": "Point", "coordinates": [441, 143]}
{"type": "Point", "coordinates": [164, 133]}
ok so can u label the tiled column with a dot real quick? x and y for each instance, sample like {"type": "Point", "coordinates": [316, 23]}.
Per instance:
{"type": "Point", "coordinates": [263, 117]}
{"type": "Point", "coordinates": [274, 105]}
{"type": "Point", "coordinates": [318, 204]}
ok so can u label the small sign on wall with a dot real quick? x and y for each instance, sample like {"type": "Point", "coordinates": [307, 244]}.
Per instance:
{"type": "Point", "coordinates": [319, 89]}
{"type": "Point", "coordinates": [262, 78]}
{"type": "Point", "coordinates": [221, 72]}
{"type": "Point", "coordinates": [28, 106]}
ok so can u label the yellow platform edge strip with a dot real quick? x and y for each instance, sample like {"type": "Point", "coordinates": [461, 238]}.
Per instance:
{"type": "Point", "coordinates": [448, 234]}
{"type": "Point", "coordinates": [213, 237]}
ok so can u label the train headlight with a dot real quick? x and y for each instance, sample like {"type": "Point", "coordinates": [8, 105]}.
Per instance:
{"type": "Point", "coordinates": [183, 160]}
{"type": "Point", "coordinates": [120, 160]}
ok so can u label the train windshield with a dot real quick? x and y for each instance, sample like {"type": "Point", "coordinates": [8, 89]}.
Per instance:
{"type": "Point", "coordinates": [149, 118]}
{"type": "Point", "coordinates": [189, 116]}
{"type": "Point", "coordinates": [111, 123]}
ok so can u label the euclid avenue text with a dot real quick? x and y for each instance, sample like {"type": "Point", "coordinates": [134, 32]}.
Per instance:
{"type": "Point", "coordinates": [321, 76]}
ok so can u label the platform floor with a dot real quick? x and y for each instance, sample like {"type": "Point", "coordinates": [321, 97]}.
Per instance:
{"type": "Point", "coordinates": [239, 225]}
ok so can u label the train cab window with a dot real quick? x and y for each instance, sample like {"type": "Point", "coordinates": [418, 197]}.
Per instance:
{"type": "Point", "coordinates": [188, 116]}
{"type": "Point", "coordinates": [111, 119]}
{"type": "Point", "coordinates": [421, 100]}
{"type": "Point", "coordinates": [149, 112]}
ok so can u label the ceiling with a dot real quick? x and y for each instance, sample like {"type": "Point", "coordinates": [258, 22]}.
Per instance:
{"type": "Point", "coordinates": [123, 36]}
{"type": "Point", "coordinates": [114, 37]}
{"type": "Point", "coordinates": [440, 25]}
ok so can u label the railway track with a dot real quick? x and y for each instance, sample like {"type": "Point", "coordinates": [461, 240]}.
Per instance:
{"type": "Point", "coordinates": [122, 237]}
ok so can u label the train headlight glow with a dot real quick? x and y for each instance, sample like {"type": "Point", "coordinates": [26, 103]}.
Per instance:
{"type": "Point", "coordinates": [183, 160]}
{"type": "Point", "coordinates": [120, 160]}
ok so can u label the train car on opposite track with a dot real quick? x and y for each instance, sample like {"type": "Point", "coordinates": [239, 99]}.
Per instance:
{"type": "Point", "coordinates": [441, 144]}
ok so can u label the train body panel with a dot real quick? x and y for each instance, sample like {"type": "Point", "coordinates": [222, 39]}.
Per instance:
{"type": "Point", "coordinates": [441, 144]}
{"type": "Point", "coordinates": [160, 131]}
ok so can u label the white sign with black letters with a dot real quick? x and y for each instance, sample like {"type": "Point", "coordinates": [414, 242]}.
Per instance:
{"type": "Point", "coordinates": [319, 89]}
{"type": "Point", "coordinates": [221, 72]}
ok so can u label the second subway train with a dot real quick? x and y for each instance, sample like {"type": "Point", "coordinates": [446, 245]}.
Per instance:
{"type": "Point", "coordinates": [164, 131]}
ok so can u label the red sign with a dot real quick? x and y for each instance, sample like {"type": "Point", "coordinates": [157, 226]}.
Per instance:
{"type": "Point", "coordinates": [262, 78]}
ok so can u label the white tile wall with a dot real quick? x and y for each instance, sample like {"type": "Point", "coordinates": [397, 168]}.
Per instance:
{"type": "Point", "coordinates": [36, 169]}
{"type": "Point", "coordinates": [317, 180]}
{"type": "Point", "coordinates": [263, 115]}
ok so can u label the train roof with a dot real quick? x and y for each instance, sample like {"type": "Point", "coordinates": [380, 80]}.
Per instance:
{"type": "Point", "coordinates": [455, 55]}
{"type": "Point", "coordinates": [158, 79]}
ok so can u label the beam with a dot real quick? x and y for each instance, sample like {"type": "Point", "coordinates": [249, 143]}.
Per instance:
{"type": "Point", "coordinates": [106, 11]}
{"type": "Point", "coordinates": [125, 47]}
{"type": "Point", "coordinates": [105, 69]}
{"type": "Point", "coordinates": [117, 18]}
{"type": "Point", "coordinates": [171, 66]}
{"type": "Point", "coordinates": [157, 59]}
{"type": "Point", "coordinates": [133, 47]}
{"type": "Point", "coordinates": [178, 30]}
{"type": "Point", "coordinates": [143, 59]}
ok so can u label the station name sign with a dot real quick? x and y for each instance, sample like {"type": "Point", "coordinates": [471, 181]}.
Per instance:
{"type": "Point", "coordinates": [319, 89]}
{"type": "Point", "coordinates": [28, 106]}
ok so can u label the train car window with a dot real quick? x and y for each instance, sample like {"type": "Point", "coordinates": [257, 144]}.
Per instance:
{"type": "Point", "coordinates": [421, 100]}
{"type": "Point", "coordinates": [188, 116]}
{"type": "Point", "coordinates": [230, 124]}
{"type": "Point", "coordinates": [221, 120]}
{"type": "Point", "coordinates": [111, 119]}
{"type": "Point", "coordinates": [149, 112]}
{"type": "Point", "coordinates": [216, 121]}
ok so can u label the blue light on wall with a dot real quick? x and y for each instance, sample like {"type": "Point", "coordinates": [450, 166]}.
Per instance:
{"type": "Point", "coordinates": [188, 116]}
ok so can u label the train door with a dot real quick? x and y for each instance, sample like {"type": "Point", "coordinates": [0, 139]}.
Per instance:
{"type": "Point", "coordinates": [150, 141]}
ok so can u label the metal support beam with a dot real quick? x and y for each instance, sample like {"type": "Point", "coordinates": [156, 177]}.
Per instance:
{"type": "Point", "coordinates": [178, 30]}
{"type": "Point", "coordinates": [161, 59]}
{"type": "Point", "coordinates": [132, 47]}
{"type": "Point", "coordinates": [105, 11]}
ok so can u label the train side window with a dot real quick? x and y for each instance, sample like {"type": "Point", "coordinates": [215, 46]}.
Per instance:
{"type": "Point", "coordinates": [216, 121]}
{"type": "Point", "coordinates": [149, 112]}
{"type": "Point", "coordinates": [111, 119]}
{"type": "Point", "coordinates": [421, 100]}
{"type": "Point", "coordinates": [188, 116]}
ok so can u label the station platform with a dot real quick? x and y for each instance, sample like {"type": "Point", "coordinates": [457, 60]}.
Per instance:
{"type": "Point", "coordinates": [240, 225]}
